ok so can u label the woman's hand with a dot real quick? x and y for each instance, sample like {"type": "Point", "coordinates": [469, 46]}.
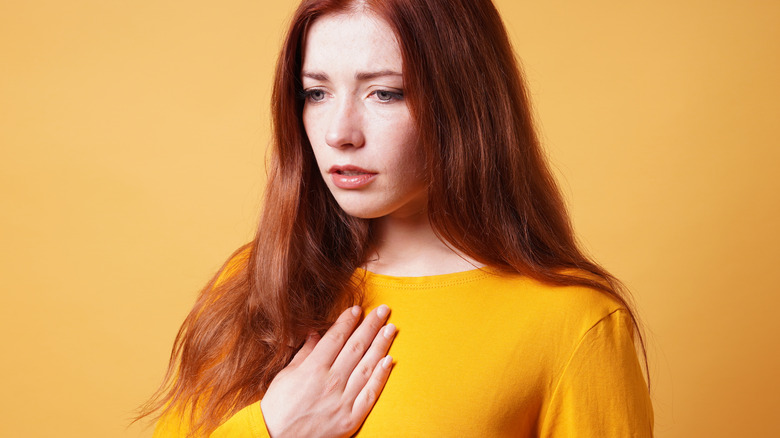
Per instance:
{"type": "Point", "coordinates": [332, 383]}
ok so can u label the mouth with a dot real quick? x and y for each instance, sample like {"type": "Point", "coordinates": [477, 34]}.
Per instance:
{"type": "Point", "coordinates": [349, 170]}
{"type": "Point", "coordinates": [350, 177]}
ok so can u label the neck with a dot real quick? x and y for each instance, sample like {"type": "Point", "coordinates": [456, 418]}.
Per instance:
{"type": "Point", "coordinates": [408, 247]}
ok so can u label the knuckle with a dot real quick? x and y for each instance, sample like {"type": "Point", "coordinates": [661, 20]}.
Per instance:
{"type": "Point", "coordinates": [334, 342]}
{"type": "Point", "coordinates": [364, 371]}
{"type": "Point", "coordinates": [370, 396]}
{"type": "Point", "coordinates": [340, 336]}
{"type": "Point", "coordinates": [346, 423]}
{"type": "Point", "coordinates": [332, 383]}
{"type": "Point", "coordinates": [357, 347]}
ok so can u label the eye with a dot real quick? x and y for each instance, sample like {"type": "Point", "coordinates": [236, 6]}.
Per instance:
{"type": "Point", "coordinates": [314, 95]}
{"type": "Point", "coordinates": [388, 96]}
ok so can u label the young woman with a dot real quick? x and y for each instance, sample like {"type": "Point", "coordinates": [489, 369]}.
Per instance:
{"type": "Point", "coordinates": [406, 184]}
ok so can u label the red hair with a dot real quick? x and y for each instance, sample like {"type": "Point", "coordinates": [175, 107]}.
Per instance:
{"type": "Point", "coordinates": [491, 196]}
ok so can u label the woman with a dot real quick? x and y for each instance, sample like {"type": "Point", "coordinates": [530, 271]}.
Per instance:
{"type": "Point", "coordinates": [406, 177]}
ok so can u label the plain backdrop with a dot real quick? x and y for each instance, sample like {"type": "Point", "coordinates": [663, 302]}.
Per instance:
{"type": "Point", "coordinates": [133, 138]}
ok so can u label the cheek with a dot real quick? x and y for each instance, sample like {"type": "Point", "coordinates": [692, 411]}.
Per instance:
{"type": "Point", "coordinates": [412, 154]}
{"type": "Point", "coordinates": [310, 127]}
{"type": "Point", "coordinates": [313, 124]}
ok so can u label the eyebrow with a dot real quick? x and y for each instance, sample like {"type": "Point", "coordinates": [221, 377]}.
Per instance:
{"type": "Point", "coordinates": [361, 76]}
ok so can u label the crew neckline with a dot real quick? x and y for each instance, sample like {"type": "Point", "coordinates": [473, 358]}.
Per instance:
{"type": "Point", "coordinates": [426, 281]}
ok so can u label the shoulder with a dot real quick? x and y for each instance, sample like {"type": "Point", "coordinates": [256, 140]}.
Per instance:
{"type": "Point", "coordinates": [550, 320]}
{"type": "Point", "coordinates": [580, 305]}
{"type": "Point", "coordinates": [595, 385]}
{"type": "Point", "coordinates": [560, 305]}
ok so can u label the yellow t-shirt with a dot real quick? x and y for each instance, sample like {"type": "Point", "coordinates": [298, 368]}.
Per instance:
{"type": "Point", "coordinates": [482, 354]}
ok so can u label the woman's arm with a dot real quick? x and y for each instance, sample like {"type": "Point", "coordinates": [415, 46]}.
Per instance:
{"type": "Point", "coordinates": [326, 391]}
{"type": "Point", "coordinates": [601, 391]}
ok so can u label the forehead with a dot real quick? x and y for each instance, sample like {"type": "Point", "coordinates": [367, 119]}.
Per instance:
{"type": "Point", "coordinates": [355, 41]}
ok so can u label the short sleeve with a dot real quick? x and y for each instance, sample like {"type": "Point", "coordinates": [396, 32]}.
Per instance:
{"type": "Point", "coordinates": [601, 392]}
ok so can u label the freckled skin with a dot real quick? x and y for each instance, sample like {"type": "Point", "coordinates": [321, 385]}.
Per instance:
{"type": "Point", "coordinates": [354, 116]}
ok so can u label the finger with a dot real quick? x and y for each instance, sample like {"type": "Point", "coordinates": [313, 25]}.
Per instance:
{"type": "Point", "coordinates": [331, 344]}
{"type": "Point", "coordinates": [305, 350]}
{"type": "Point", "coordinates": [359, 342]}
{"type": "Point", "coordinates": [370, 393]}
{"type": "Point", "coordinates": [363, 371]}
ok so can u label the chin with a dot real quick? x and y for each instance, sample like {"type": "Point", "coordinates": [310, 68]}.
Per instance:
{"type": "Point", "coordinates": [358, 205]}
{"type": "Point", "coordinates": [361, 211]}
{"type": "Point", "coordinates": [365, 206]}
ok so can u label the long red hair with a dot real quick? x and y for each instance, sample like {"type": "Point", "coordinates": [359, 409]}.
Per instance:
{"type": "Point", "coordinates": [491, 196]}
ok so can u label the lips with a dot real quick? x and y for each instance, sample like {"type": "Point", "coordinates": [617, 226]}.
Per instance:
{"type": "Point", "coordinates": [350, 177]}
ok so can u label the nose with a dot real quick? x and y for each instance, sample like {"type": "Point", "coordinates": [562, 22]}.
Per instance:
{"type": "Point", "coordinates": [345, 129]}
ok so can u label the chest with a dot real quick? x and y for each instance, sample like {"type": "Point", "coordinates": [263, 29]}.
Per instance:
{"type": "Point", "coordinates": [464, 366]}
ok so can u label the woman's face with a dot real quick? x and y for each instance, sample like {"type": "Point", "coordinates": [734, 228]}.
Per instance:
{"type": "Point", "coordinates": [357, 119]}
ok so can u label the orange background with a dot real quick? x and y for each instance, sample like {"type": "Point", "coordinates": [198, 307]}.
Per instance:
{"type": "Point", "coordinates": [133, 138]}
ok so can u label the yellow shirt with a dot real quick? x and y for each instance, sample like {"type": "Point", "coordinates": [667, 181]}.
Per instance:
{"type": "Point", "coordinates": [480, 354]}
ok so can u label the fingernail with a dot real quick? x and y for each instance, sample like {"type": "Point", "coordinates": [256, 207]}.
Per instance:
{"type": "Point", "coordinates": [387, 361]}
{"type": "Point", "coordinates": [389, 330]}
{"type": "Point", "coordinates": [382, 311]}
{"type": "Point", "coordinates": [356, 310]}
